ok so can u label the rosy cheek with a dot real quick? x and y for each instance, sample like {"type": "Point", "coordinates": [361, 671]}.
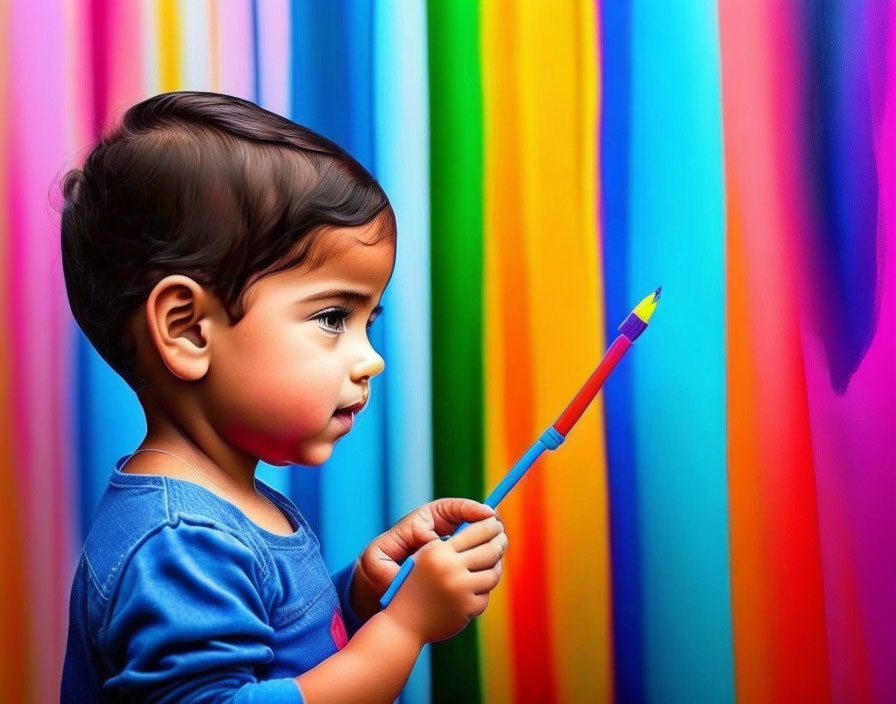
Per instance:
{"type": "Point", "coordinates": [283, 387]}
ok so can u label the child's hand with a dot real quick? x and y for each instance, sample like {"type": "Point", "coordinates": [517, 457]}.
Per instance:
{"type": "Point", "coordinates": [379, 563]}
{"type": "Point", "coordinates": [450, 582]}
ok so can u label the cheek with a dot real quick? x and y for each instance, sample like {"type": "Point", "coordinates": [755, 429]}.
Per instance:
{"type": "Point", "coordinates": [277, 388]}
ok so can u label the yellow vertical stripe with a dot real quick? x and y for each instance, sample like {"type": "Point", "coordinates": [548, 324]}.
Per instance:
{"type": "Point", "coordinates": [169, 46]}
{"type": "Point", "coordinates": [556, 46]}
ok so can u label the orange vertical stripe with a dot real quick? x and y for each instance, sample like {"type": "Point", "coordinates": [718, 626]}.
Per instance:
{"type": "Point", "coordinates": [506, 336]}
{"type": "Point", "coordinates": [749, 580]}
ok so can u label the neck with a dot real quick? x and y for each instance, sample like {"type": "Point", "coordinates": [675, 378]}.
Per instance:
{"type": "Point", "coordinates": [180, 427]}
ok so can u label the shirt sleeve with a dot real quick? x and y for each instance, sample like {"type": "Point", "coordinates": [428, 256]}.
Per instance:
{"type": "Point", "coordinates": [342, 580]}
{"type": "Point", "coordinates": [187, 623]}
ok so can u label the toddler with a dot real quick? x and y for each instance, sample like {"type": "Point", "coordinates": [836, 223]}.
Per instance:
{"type": "Point", "coordinates": [228, 264]}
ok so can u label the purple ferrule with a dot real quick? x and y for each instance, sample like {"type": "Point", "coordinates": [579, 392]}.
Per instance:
{"type": "Point", "coordinates": [632, 327]}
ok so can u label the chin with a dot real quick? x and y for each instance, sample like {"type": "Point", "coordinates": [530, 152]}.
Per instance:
{"type": "Point", "coordinates": [280, 463]}
{"type": "Point", "coordinates": [314, 457]}
{"type": "Point", "coordinates": [305, 451]}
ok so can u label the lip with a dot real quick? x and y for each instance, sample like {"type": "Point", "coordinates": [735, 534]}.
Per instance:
{"type": "Point", "coordinates": [354, 408]}
{"type": "Point", "coordinates": [345, 419]}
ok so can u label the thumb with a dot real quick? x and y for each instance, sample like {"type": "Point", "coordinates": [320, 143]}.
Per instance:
{"type": "Point", "coordinates": [449, 513]}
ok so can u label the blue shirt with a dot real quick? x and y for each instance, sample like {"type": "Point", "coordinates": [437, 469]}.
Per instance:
{"type": "Point", "coordinates": [179, 597]}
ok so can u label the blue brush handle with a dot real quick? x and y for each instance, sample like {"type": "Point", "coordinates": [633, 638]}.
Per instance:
{"type": "Point", "coordinates": [550, 440]}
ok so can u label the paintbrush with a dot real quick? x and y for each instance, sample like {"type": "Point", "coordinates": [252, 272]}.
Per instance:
{"type": "Point", "coordinates": [553, 437]}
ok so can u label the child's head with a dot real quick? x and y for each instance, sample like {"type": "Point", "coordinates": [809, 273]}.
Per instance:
{"type": "Point", "coordinates": [192, 241]}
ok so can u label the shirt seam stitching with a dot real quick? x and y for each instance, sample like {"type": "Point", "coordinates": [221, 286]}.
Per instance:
{"type": "Point", "coordinates": [91, 572]}
{"type": "Point", "coordinates": [197, 519]}
{"type": "Point", "coordinates": [293, 614]}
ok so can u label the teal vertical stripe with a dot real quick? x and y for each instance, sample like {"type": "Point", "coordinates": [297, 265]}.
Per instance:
{"type": "Point", "coordinates": [679, 399]}
{"type": "Point", "coordinates": [401, 119]}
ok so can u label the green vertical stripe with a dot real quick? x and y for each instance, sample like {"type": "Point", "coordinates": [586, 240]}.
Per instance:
{"type": "Point", "coordinates": [456, 250]}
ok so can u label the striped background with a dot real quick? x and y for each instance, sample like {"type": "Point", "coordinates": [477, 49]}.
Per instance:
{"type": "Point", "coordinates": [720, 525]}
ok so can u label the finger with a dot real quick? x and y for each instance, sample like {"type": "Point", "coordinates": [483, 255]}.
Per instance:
{"type": "Point", "coordinates": [448, 514]}
{"type": "Point", "coordinates": [410, 533]}
{"type": "Point", "coordinates": [484, 556]}
{"type": "Point", "coordinates": [486, 580]}
{"type": "Point", "coordinates": [478, 604]}
{"type": "Point", "coordinates": [477, 533]}
{"type": "Point", "coordinates": [398, 542]}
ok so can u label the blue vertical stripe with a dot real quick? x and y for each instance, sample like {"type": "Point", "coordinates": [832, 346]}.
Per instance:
{"type": "Point", "coordinates": [256, 57]}
{"type": "Point", "coordinates": [843, 177]}
{"type": "Point", "coordinates": [614, 169]}
{"type": "Point", "coordinates": [110, 424]}
{"type": "Point", "coordinates": [332, 94]}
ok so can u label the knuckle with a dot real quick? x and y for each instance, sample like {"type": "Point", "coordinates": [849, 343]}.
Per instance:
{"type": "Point", "coordinates": [435, 558]}
{"type": "Point", "coordinates": [455, 586]}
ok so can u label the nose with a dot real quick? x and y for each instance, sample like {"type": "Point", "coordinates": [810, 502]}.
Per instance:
{"type": "Point", "coordinates": [368, 364]}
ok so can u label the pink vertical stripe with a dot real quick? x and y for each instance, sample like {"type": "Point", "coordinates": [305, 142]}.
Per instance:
{"type": "Point", "coordinates": [274, 55]}
{"type": "Point", "coordinates": [124, 67]}
{"type": "Point", "coordinates": [234, 48]}
{"type": "Point", "coordinates": [14, 637]}
{"type": "Point", "coordinates": [37, 130]}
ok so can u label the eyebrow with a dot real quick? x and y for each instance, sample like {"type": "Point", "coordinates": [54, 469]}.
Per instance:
{"type": "Point", "coordinates": [353, 296]}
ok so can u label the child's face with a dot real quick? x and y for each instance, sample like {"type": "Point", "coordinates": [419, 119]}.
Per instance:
{"type": "Point", "coordinates": [281, 373]}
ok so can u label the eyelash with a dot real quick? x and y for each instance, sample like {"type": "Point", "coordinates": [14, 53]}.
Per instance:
{"type": "Point", "coordinates": [341, 313]}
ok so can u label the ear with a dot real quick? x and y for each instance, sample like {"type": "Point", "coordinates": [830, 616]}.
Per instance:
{"type": "Point", "coordinates": [179, 324]}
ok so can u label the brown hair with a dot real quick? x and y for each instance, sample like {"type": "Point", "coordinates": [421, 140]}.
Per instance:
{"type": "Point", "coordinates": [206, 185]}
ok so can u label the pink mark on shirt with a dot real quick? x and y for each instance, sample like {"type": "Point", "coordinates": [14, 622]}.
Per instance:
{"type": "Point", "coordinates": [337, 630]}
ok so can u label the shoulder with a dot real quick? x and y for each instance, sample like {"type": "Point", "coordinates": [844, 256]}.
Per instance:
{"type": "Point", "coordinates": [187, 554]}
{"type": "Point", "coordinates": [187, 611]}
{"type": "Point", "coordinates": [124, 516]}
{"type": "Point", "coordinates": [183, 569]}
{"type": "Point", "coordinates": [156, 518]}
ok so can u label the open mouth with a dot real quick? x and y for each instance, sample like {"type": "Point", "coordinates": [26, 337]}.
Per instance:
{"type": "Point", "coordinates": [345, 418]}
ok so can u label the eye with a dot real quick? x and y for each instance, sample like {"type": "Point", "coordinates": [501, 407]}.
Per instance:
{"type": "Point", "coordinates": [332, 320]}
{"type": "Point", "coordinates": [374, 315]}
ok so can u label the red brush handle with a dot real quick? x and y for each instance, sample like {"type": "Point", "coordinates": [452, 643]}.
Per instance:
{"type": "Point", "coordinates": [586, 394]}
